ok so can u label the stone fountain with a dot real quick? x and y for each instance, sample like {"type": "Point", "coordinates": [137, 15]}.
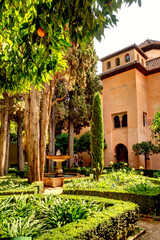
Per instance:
{"type": "Point", "coordinates": [57, 179]}
{"type": "Point", "coordinates": [58, 159]}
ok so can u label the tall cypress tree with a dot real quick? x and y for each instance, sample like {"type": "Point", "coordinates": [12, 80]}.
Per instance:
{"type": "Point", "coordinates": [97, 137]}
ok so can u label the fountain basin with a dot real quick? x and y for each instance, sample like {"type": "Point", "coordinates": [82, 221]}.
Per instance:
{"type": "Point", "coordinates": [58, 159]}
{"type": "Point", "coordinates": [50, 180]}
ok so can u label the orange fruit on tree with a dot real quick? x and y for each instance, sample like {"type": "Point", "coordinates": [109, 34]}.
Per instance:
{"type": "Point", "coordinates": [41, 32]}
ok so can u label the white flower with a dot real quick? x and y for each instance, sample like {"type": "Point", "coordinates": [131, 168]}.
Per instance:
{"type": "Point", "coordinates": [111, 163]}
{"type": "Point", "coordinates": [133, 169]}
{"type": "Point", "coordinates": [91, 175]}
{"type": "Point", "coordinates": [124, 170]}
{"type": "Point", "coordinates": [141, 167]}
{"type": "Point", "coordinates": [125, 164]}
{"type": "Point", "coordinates": [141, 172]}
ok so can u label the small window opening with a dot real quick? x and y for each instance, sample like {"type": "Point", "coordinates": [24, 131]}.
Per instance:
{"type": "Point", "coordinates": [116, 122]}
{"type": "Point", "coordinates": [108, 65]}
{"type": "Point", "coordinates": [124, 120]}
{"type": "Point", "coordinates": [117, 61]}
{"type": "Point", "coordinates": [144, 119]}
{"type": "Point", "coordinates": [137, 57]}
{"type": "Point", "coordinates": [127, 58]}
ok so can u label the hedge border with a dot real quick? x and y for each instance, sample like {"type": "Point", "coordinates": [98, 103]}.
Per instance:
{"type": "Point", "coordinates": [115, 222]}
{"type": "Point", "coordinates": [33, 188]}
{"type": "Point", "coordinates": [148, 203]}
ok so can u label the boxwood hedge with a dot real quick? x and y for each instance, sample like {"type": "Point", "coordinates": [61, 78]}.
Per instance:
{"type": "Point", "coordinates": [116, 221]}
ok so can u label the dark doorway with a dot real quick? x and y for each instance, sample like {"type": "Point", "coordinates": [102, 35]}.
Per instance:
{"type": "Point", "coordinates": [121, 153]}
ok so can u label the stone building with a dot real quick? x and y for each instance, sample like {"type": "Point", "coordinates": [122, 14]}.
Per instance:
{"type": "Point", "coordinates": [131, 96]}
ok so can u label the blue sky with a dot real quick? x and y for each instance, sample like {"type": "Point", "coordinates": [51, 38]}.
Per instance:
{"type": "Point", "coordinates": [135, 26]}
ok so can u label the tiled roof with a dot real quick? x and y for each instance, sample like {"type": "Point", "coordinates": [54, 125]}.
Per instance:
{"type": "Point", "coordinates": [134, 46]}
{"type": "Point", "coordinates": [153, 63]}
{"type": "Point", "coordinates": [149, 44]}
{"type": "Point", "coordinates": [153, 66]}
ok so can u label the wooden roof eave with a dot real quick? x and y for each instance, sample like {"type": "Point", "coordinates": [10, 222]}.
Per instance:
{"type": "Point", "coordinates": [127, 67]}
{"type": "Point", "coordinates": [134, 46]}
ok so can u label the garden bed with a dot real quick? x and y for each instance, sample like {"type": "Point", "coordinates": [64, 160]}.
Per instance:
{"type": "Point", "coordinates": [121, 186]}
{"type": "Point", "coordinates": [66, 217]}
{"type": "Point", "coordinates": [17, 186]}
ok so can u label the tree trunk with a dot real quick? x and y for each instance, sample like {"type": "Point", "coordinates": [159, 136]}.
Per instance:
{"type": "Point", "coordinates": [7, 149]}
{"type": "Point", "coordinates": [52, 128]}
{"type": "Point", "coordinates": [71, 143]}
{"type": "Point", "coordinates": [20, 144]}
{"type": "Point", "coordinates": [147, 158]}
{"type": "Point", "coordinates": [3, 132]}
{"type": "Point", "coordinates": [44, 128]}
{"type": "Point", "coordinates": [32, 110]}
{"type": "Point", "coordinates": [36, 131]}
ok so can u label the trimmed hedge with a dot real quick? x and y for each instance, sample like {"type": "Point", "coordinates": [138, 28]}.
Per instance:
{"type": "Point", "coordinates": [148, 203]}
{"type": "Point", "coordinates": [33, 188]}
{"type": "Point", "coordinates": [156, 174]}
{"type": "Point", "coordinates": [114, 222]}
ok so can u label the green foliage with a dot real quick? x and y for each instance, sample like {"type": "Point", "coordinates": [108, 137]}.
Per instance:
{"type": "Point", "coordinates": [84, 143]}
{"type": "Point", "coordinates": [114, 222]}
{"type": "Point", "coordinates": [78, 102]}
{"type": "Point", "coordinates": [29, 216]}
{"type": "Point", "coordinates": [156, 174]}
{"type": "Point", "coordinates": [155, 127]}
{"type": "Point", "coordinates": [28, 59]}
{"type": "Point", "coordinates": [62, 143]}
{"type": "Point", "coordinates": [13, 132]}
{"type": "Point", "coordinates": [118, 181]}
{"type": "Point", "coordinates": [82, 170]}
{"type": "Point", "coordinates": [120, 165]}
{"type": "Point", "coordinates": [58, 212]}
{"type": "Point", "coordinates": [16, 186]}
{"type": "Point", "coordinates": [13, 184]}
{"type": "Point", "coordinates": [97, 137]}
{"type": "Point", "coordinates": [144, 148]}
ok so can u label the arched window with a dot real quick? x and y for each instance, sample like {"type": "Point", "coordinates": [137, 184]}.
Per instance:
{"type": "Point", "coordinates": [124, 120]}
{"type": "Point", "coordinates": [117, 61]}
{"type": "Point", "coordinates": [137, 57]}
{"type": "Point", "coordinates": [116, 122]}
{"type": "Point", "coordinates": [144, 119]}
{"type": "Point", "coordinates": [127, 58]}
{"type": "Point", "coordinates": [108, 65]}
{"type": "Point", "coordinates": [121, 153]}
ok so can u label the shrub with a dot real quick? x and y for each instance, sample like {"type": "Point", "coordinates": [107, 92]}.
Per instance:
{"type": "Point", "coordinates": [31, 216]}
{"type": "Point", "coordinates": [122, 185]}
{"type": "Point", "coordinates": [97, 137]}
{"type": "Point", "coordinates": [114, 222]}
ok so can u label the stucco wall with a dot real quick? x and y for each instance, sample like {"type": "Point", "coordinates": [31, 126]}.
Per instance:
{"type": "Point", "coordinates": [133, 56]}
{"type": "Point", "coordinates": [119, 95]}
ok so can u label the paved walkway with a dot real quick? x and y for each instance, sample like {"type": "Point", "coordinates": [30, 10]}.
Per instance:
{"type": "Point", "coordinates": [152, 227]}
{"type": "Point", "coordinates": [55, 191]}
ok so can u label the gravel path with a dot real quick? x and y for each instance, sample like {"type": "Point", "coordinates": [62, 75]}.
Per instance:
{"type": "Point", "coordinates": [55, 191]}
{"type": "Point", "coordinates": [152, 228]}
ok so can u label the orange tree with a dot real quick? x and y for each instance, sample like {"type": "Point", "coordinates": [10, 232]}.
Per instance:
{"type": "Point", "coordinates": [145, 148]}
{"type": "Point", "coordinates": [34, 37]}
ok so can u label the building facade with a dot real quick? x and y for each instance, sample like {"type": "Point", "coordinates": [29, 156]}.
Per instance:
{"type": "Point", "coordinates": [131, 96]}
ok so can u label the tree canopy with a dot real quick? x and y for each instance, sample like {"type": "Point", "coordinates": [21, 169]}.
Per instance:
{"type": "Point", "coordinates": [155, 127]}
{"type": "Point", "coordinates": [35, 34]}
